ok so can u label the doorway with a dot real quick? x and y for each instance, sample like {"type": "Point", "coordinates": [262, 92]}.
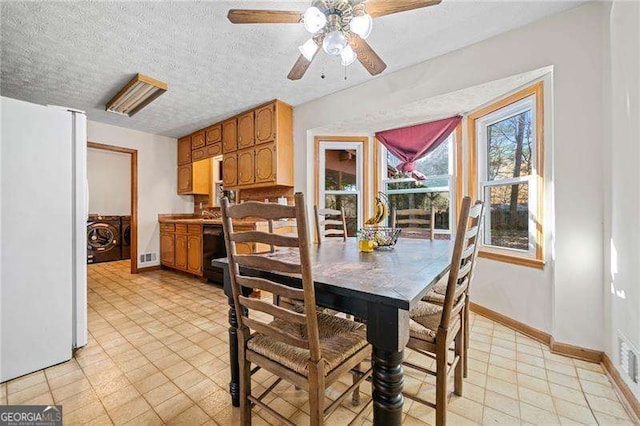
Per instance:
{"type": "Point", "coordinates": [132, 222]}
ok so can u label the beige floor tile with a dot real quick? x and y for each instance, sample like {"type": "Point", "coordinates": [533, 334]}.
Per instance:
{"type": "Point", "coordinates": [607, 406]}
{"type": "Point", "coordinates": [160, 394]}
{"type": "Point", "coordinates": [502, 387]}
{"type": "Point", "coordinates": [606, 419]}
{"type": "Point", "coordinates": [191, 416]}
{"type": "Point", "coordinates": [24, 382]}
{"type": "Point", "coordinates": [78, 401]}
{"type": "Point", "coordinates": [466, 408]}
{"type": "Point", "coordinates": [537, 416]}
{"type": "Point", "coordinates": [89, 412]}
{"type": "Point", "coordinates": [173, 406]}
{"type": "Point", "coordinates": [533, 383]}
{"type": "Point", "coordinates": [122, 395]}
{"type": "Point", "coordinates": [20, 397]}
{"type": "Point", "coordinates": [597, 389]}
{"type": "Point", "coordinates": [576, 412]}
{"type": "Point", "coordinates": [537, 399]}
{"type": "Point", "coordinates": [502, 403]}
{"type": "Point", "coordinates": [593, 376]}
{"type": "Point", "coordinates": [129, 410]}
{"type": "Point", "coordinates": [495, 417]}
{"type": "Point", "coordinates": [568, 394]}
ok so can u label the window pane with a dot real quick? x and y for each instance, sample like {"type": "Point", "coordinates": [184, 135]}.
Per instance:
{"type": "Point", "coordinates": [509, 145]}
{"type": "Point", "coordinates": [350, 205]}
{"type": "Point", "coordinates": [424, 201]}
{"type": "Point", "coordinates": [436, 163]}
{"type": "Point", "coordinates": [508, 221]}
{"type": "Point", "coordinates": [340, 170]}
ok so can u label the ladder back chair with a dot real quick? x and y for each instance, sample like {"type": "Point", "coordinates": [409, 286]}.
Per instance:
{"type": "Point", "coordinates": [335, 227]}
{"type": "Point", "coordinates": [414, 222]}
{"type": "Point", "coordinates": [307, 348]}
{"type": "Point", "coordinates": [434, 328]}
{"type": "Point", "coordinates": [437, 294]}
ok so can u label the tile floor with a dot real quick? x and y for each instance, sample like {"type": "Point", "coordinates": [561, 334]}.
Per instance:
{"type": "Point", "coordinates": [157, 354]}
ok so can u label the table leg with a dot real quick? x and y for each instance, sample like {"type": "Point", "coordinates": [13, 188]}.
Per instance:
{"type": "Point", "coordinates": [387, 378]}
{"type": "Point", "coordinates": [388, 333]}
{"type": "Point", "coordinates": [234, 385]}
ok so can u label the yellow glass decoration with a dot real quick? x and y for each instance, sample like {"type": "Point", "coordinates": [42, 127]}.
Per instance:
{"type": "Point", "coordinates": [366, 246]}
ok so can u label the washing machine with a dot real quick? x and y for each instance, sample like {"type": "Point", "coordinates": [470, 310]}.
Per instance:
{"type": "Point", "coordinates": [103, 239]}
{"type": "Point", "coordinates": [125, 239]}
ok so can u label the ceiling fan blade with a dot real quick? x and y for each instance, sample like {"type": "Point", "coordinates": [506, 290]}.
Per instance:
{"type": "Point", "coordinates": [367, 57]}
{"type": "Point", "coordinates": [247, 16]}
{"type": "Point", "coordinates": [300, 68]}
{"type": "Point", "coordinates": [378, 8]}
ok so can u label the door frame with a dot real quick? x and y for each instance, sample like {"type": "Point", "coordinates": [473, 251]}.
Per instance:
{"type": "Point", "coordinates": [134, 195]}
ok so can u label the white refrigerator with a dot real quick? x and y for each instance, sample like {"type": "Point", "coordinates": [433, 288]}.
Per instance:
{"type": "Point", "coordinates": [43, 219]}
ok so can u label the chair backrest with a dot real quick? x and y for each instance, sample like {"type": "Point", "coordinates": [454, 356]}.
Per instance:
{"type": "Point", "coordinates": [334, 227]}
{"type": "Point", "coordinates": [275, 225]}
{"type": "Point", "coordinates": [414, 222]}
{"type": "Point", "coordinates": [298, 263]}
{"type": "Point", "coordinates": [464, 253]}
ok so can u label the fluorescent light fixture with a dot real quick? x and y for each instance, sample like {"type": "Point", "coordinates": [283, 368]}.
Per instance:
{"type": "Point", "coordinates": [361, 25]}
{"type": "Point", "coordinates": [348, 56]}
{"type": "Point", "coordinates": [308, 49]}
{"type": "Point", "coordinates": [135, 95]}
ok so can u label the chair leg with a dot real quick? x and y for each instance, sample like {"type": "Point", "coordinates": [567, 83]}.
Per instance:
{"type": "Point", "coordinates": [467, 336]}
{"type": "Point", "coordinates": [355, 398]}
{"type": "Point", "coordinates": [441, 378]}
{"type": "Point", "coordinates": [459, 352]}
{"type": "Point", "coordinates": [316, 395]}
{"type": "Point", "coordinates": [245, 388]}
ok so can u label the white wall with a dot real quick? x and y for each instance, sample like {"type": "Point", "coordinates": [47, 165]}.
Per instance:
{"type": "Point", "coordinates": [622, 204]}
{"type": "Point", "coordinates": [565, 299]}
{"type": "Point", "coordinates": [157, 181]}
{"type": "Point", "coordinates": [109, 176]}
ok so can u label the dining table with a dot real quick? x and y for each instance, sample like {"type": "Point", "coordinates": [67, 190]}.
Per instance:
{"type": "Point", "coordinates": [378, 287]}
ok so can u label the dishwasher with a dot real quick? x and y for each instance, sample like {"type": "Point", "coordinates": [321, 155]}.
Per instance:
{"type": "Point", "coordinates": [213, 247]}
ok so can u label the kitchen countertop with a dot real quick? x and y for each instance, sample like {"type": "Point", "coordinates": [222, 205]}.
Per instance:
{"type": "Point", "coordinates": [191, 219]}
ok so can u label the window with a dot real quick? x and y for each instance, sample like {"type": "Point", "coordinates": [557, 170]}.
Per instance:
{"type": "Point", "coordinates": [340, 178]}
{"type": "Point", "coordinates": [433, 192]}
{"type": "Point", "coordinates": [507, 137]}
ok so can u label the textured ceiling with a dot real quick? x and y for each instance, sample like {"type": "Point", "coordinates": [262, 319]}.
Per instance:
{"type": "Point", "coordinates": [434, 108]}
{"type": "Point", "coordinates": [80, 54]}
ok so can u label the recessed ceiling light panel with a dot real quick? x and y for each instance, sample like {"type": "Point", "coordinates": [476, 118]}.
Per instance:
{"type": "Point", "coordinates": [135, 95]}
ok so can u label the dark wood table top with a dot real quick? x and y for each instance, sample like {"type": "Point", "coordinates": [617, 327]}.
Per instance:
{"type": "Point", "coordinates": [398, 277]}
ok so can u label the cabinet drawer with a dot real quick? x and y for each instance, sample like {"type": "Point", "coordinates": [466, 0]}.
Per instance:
{"type": "Point", "coordinates": [213, 150]}
{"type": "Point", "coordinates": [167, 227]}
{"type": "Point", "coordinates": [181, 228]}
{"type": "Point", "coordinates": [194, 229]}
{"type": "Point", "coordinates": [198, 154]}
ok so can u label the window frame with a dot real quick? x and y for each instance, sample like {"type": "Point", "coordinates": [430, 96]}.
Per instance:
{"type": "Point", "coordinates": [530, 97]}
{"type": "Point", "coordinates": [451, 187]}
{"type": "Point", "coordinates": [361, 145]}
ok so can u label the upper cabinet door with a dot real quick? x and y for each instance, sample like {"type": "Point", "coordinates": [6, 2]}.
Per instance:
{"type": "Point", "coordinates": [229, 136]}
{"type": "Point", "coordinates": [230, 170]}
{"type": "Point", "coordinates": [245, 167]}
{"type": "Point", "coordinates": [214, 134]}
{"type": "Point", "coordinates": [184, 150]}
{"type": "Point", "coordinates": [185, 179]}
{"type": "Point", "coordinates": [265, 124]}
{"type": "Point", "coordinates": [197, 140]}
{"type": "Point", "coordinates": [265, 163]}
{"type": "Point", "coordinates": [245, 130]}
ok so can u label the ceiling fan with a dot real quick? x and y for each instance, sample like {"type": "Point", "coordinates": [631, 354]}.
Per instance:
{"type": "Point", "coordinates": [339, 26]}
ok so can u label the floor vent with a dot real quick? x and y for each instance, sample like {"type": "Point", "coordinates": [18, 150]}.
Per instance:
{"type": "Point", "coordinates": [628, 356]}
{"type": "Point", "coordinates": [147, 257]}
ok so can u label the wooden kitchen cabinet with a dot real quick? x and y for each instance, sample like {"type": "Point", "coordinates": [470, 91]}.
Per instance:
{"type": "Point", "coordinates": [229, 136]}
{"type": "Point", "coordinates": [265, 124]}
{"type": "Point", "coordinates": [195, 178]}
{"type": "Point", "coordinates": [167, 248]}
{"type": "Point", "coordinates": [245, 130]}
{"type": "Point", "coordinates": [181, 251]}
{"type": "Point", "coordinates": [246, 167]}
{"type": "Point", "coordinates": [197, 140]}
{"type": "Point", "coordinates": [184, 150]}
{"type": "Point", "coordinates": [213, 150]}
{"type": "Point", "coordinates": [230, 170]}
{"type": "Point", "coordinates": [194, 253]}
{"type": "Point", "coordinates": [265, 167]}
{"type": "Point", "coordinates": [214, 134]}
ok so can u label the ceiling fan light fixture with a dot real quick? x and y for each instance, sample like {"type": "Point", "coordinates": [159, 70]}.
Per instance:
{"type": "Point", "coordinates": [348, 56]}
{"type": "Point", "coordinates": [314, 19]}
{"type": "Point", "coordinates": [361, 25]}
{"type": "Point", "coordinates": [308, 49]}
{"type": "Point", "coordinates": [334, 42]}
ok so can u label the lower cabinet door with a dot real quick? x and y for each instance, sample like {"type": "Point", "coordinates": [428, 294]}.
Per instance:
{"type": "Point", "coordinates": [181, 252]}
{"type": "Point", "coordinates": [194, 249]}
{"type": "Point", "coordinates": [167, 249]}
